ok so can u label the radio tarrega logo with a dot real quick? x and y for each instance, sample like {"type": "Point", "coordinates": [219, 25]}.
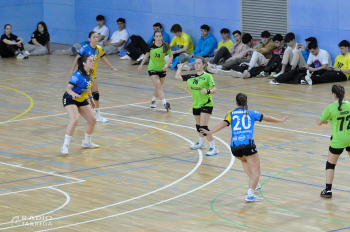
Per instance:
{"type": "Point", "coordinates": [40, 220]}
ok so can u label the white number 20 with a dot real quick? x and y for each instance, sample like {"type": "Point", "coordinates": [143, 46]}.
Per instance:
{"type": "Point", "coordinates": [236, 127]}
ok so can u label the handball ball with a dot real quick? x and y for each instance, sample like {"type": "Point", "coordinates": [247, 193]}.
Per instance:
{"type": "Point", "coordinates": [183, 57]}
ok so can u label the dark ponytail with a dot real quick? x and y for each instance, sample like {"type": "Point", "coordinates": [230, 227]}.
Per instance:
{"type": "Point", "coordinates": [241, 100]}
{"type": "Point", "coordinates": [339, 91]}
{"type": "Point", "coordinates": [81, 61]}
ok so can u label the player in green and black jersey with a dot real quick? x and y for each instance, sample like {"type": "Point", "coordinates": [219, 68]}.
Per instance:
{"type": "Point", "coordinates": [157, 66]}
{"type": "Point", "coordinates": [338, 113]}
{"type": "Point", "coordinates": [202, 85]}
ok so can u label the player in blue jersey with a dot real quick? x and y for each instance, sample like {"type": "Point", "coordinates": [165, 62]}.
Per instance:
{"type": "Point", "coordinates": [243, 147]}
{"type": "Point", "coordinates": [95, 50]}
{"type": "Point", "coordinates": [75, 102]}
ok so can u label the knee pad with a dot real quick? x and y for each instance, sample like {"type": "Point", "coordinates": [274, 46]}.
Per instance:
{"type": "Point", "coordinates": [96, 95]}
{"type": "Point", "coordinates": [330, 166]}
{"type": "Point", "coordinates": [206, 128]}
{"type": "Point", "coordinates": [197, 126]}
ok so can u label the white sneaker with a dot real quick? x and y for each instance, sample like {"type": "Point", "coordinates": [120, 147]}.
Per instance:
{"type": "Point", "coordinates": [303, 82]}
{"type": "Point", "coordinates": [258, 187]}
{"type": "Point", "coordinates": [224, 72]}
{"type": "Point", "coordinates": [101, 119]}
{"type": "Point", "coordinates": [245, 74]}
{"type": "Point", "coordinates": [252, 198]}
{"type": "Point", "coordinates": [212, 69]}
{"type": "Point", "coordinates": [141, 57]}
{"type": "Point", "coordinates": [275, 74]}
{"type": "Point", "coordinates": [20, 56]}
{"type": "Point", "coordinates": [126, 57]}
{"type": "Point", "coordinates": [153, 104]}
{"type": "Point", "coordinates": [26, 53]}
{"type": "Point", "coordinates": [212, 151]}
{"type": "Point", "coordinates": [64, 149]}
{"type": "Point", "coordinates": [186, 67]}
{"type": "Point", "coordinates": [308, 77]}
{"type": "Point", "coordinates": [198, 146]}
{"type": "Point", "coordinates": [90, 146]}
{"type": "Point", "coordinates": [274, 82]}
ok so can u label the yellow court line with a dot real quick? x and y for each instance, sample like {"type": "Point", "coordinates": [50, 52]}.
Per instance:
{"type": "Point", "coordinates": [27, 110]}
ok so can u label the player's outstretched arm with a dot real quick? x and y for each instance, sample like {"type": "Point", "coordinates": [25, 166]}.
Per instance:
{"type": "Point", "coordinates": [216, 129]}
{"type": "Point", "coordinates": [143, 61]}
{"type": "Point", "coordinates": [272, 119]}
{"type": "Point", "coordinates": [104, 60]}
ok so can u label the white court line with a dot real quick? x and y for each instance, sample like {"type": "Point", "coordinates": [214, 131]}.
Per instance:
{"type": "Point", "coordinates": [158, 203]}
{"type": "Point", "coordinates": [200, 159]}
{"type": "Point", "coordinates": [67, 201]}
{"type": "Point", "coordinates": [54, 115]}
{"type": "Point", "coordinates": [279, 128]}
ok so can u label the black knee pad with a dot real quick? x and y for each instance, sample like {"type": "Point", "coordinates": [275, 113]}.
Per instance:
{"type": "Point", "coordinates": [197, 126]}
{"type": "Point", "coordinates": [206, 128]}
{"type": "Point", "coordinates": [96, 95]}
{"type": "Point", "coordinates": [330, 166]}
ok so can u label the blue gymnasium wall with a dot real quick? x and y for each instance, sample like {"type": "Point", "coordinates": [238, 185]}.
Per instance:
{"type": "Point", "coordinates": [327, 20]}
{"type": "Point", "coordinates": [23, 15]}
{"type": "Point", "coordinates": [70, 21]}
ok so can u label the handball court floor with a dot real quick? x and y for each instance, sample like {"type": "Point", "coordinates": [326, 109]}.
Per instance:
{"type": "Point", "coordinates": [144, 177]}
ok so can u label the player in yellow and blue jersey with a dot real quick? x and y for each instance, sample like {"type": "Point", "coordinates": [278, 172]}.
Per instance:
{"type": "Point", "coordinates": [242, 143]}
{"type": "Point", "coordinates": [97, 52]}
{"type": "Point", "coordinates": [75, 102]}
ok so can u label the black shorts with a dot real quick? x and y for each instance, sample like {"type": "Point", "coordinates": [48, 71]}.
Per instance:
{"type": "Point", "coordinates": [70, 101]}
{"type": "Point", "coordinates": [245, 151]}
{"type": "Point", "coordinates": [338, 151]}
{"type": "Point", "coordinates": [204, 109]}
{"type": "Point", "coordinates": [160, 74]}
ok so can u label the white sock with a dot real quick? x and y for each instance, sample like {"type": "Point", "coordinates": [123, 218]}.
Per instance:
{"type": "Point", "coordinates": [212, 144]}
{"type": "Point", "coordinates": [97, 112]}
{"type": "Point", "coordinates": [67, 140]}
{"type": "Point", "coordinates": [201, 140]}
{"type": "Point", "coordinates": [164, 101]}
{"type": "Point", "coordinates": [87, 138]}
{"type": "Point", "coordinates": [250, 192]}
{"type": "Point", "coordinates": [154, 99]}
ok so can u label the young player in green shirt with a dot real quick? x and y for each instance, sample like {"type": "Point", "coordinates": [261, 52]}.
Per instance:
{"type": "Point", "coordinates": [157, 66]}
{"type": "Point", "coordinates": [202, 85]}
{"type": "Point", "coordinates": [338, 113]}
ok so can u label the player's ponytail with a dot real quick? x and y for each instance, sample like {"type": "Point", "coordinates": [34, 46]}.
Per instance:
{"type": "Point", "coordinates": [81, 61]}
{"type": "Point", "coordinates": [165, 47]}
{"type": "Point", "coordinates": [241, 100]}
{"type": "Point", "coordinates": [339, 91]}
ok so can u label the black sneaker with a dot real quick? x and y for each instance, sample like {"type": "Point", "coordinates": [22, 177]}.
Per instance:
{"type": "Point", "coordinates": [167, 106]}
{"type": "Point", "coordinates": [326, 193]}
{"type": "Point", "coordinates": [153, 104]}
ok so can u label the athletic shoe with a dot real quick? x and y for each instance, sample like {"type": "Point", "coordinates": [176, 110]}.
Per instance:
{"type": "Point", "coordinates": [212, 151]}
{"type": "Point", "coordinates": [326, 193]}
{"type": "Point", "coordinates": [272, 75]}
{"type": "Point", "coordinates": [153, 104]}
{"type": "Point", "coordinates": [101, 119]}
{"type": "Point", "coordinates": [258, 187]}
{"type": "Point", "coordinates": [252, 198]}
{"type": "Point", "coordinates": [224, 72]}
{"type": "Point", "coordinates": [126, 57]}
{"type": "Point", "coordinates": [198, 146]}
{"type": "Point", "coordinates": [20, 56]}
{"type": "Point", "coordinates": [275, 75]}
{"type": "Point", "coordinates": [141, 57]}
{"type": "Point", "coordinates": [245, 74]}
{"type": "Point", "coordinates": [237, 74]}
{"type": "Point", "coordinates": [90, 146]}
{"type": "Point", "coordinates": [303, 82]}
{"type": "Point", "coordinates": [74, 50]}
{"type": "Point", "coordinates": [212, 68]}
{"type": "Point", "coordinates": [274, 82]}
{"type": "Point", "coordinates": [167, 106]}
{"type": "Point", "coordinates": [186, 67]}
{"type": "Point", "coordinates": [64, 149]}
{"type": "Point", "coordinates": [262, 74]}
{"type": "Point", "coordinates": [26, 53]}
{"type": "Point", "coordinates": [308, 77]}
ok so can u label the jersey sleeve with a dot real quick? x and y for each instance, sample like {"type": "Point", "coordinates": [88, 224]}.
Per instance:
{"type": "Point", "coordinates": [211, 81]}
{"type": "Point", "coordinates": [102, 52]}
{"type": "Point", "coordinates": [228, 118]}
{"type": "Point", "coordinates": [186, 40]}
{"type": "Point", "coordinates": [257, 116]}
{"type": "Point", "coordinates": [185, 77]}
{"type": "Point", "coordinates": [81, 51]}
{"type": "Point", "coordinates": [325, 115]}
{"type": "Point", "coordinates": [14, 37]}
{"type": "Point", "coordinates": [324, 59]}
{"type": "Point", "coordinates": [169, 52]}
{"type": "Point", "coordinates": [34, 35]}
{"type": "Point", "coordinates": [74, 80]}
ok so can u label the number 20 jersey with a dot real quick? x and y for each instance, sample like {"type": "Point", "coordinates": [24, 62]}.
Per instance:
{"type": "Point", "coordinates": [242, 127]}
